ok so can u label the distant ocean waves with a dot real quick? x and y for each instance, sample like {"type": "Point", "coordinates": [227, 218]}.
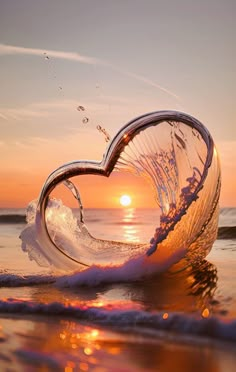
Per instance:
{"type": "Point", "coordinates": [227, 232]}
{"type": "Point", "coordinates": [12, 218]}
{"type": "Point", "coordinates": [126, 319]}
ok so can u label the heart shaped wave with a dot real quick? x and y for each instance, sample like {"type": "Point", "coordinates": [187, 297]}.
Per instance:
{"type": "Point", "coordinates": [176, 155]}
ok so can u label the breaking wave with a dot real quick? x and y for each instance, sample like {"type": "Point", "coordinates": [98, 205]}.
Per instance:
{"type": "Point", "coordinates": [127, 319]}
{"type": "Point", "coordinates": [175, 154]}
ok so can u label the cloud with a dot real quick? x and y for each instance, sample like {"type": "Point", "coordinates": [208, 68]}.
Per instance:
{"type": "Point", "coordinates": [38, 110]}
{"type": "Point", "coordinates": [21, 113]}
{"type": "Point", "coordinates": [146, 81]}
{"type": "Point", "coordinates": [2, 116]}
{"type": "Point", "coordinates": [45, 109]}
{"type": "Point", "coordinates": [72, 56]}
{"type": "Point", "coordinates": [11, 49]}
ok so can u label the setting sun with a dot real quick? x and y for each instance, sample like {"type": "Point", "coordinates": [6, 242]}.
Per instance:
{"type": "Point", "coordinates": [125, 200]}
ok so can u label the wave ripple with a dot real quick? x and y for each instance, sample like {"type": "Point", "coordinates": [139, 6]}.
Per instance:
{"type": "Point", "coordinates": [179, 323]}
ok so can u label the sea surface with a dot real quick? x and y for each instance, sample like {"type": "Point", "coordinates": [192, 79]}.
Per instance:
{"type": "Point", "coordinates": [183, 321]}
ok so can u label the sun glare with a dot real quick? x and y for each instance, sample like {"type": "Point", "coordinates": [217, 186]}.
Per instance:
{"type": "Point", "coordinates": [125, 200]}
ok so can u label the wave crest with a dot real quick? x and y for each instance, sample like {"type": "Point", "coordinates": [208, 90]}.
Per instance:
{"type": "Point", "coordinates": [175, 154]}
{"type": "Point", "coordinates": [179, 323]}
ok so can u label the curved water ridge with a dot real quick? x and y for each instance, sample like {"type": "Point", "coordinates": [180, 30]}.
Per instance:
{"type": "Point", "coordinates": [176, 155]}
{"type": "Point", "coordinates": [136, 320]}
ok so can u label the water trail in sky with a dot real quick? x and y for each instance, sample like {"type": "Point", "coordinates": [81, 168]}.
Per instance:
{"type": "Point", "coordinates": [145, 80]}
{"type": "Point", "coordinates": [175, 154]}
{"type": "Point", "coordinates": [12, 49]}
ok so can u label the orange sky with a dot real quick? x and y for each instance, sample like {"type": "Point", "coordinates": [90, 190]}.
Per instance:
{"type": "Point", "coordinates": [95, 191]}
{"type": "Point", "coordinates": [19, 188]}
{"type": "Point", "coordinates": [25, 167]}
{"type": "Point", "coordinates": [117, 64]}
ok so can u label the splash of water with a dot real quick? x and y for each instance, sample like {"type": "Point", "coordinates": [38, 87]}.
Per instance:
{"type": "Point", "coordinates": [175, 154]}
{"type": "Point", "coordinates": [46, 56]}
{"type": "Point", "coordinates": [85, 120]}
{"type": "Point", "coordinates": [80, 108]}
{"type": "Point", "coordinates": [104, 132]}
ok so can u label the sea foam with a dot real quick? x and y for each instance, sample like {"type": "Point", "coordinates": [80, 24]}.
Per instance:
{"type": "Point", "coordinates": [123, 319]}
{"type": "Point", "coordinates": [95, 275]}
{"type": "Point", "coordinates": [132, 270]}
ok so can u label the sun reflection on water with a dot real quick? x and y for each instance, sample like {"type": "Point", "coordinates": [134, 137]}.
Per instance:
{"type": "Point", "coordinates": [130, 231]}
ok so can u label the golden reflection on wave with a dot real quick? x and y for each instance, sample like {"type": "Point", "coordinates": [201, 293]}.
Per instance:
{"type": "Point", "coordinates": [190, 290]}
{"type": "Point", "coordinates": [70, 346]}
{"type": "Point", "coordinates": [91, 344]}
{"type": "Point", "coordinates": [128, 215]}
{"type": "Point", "coordinates": [130, 232]}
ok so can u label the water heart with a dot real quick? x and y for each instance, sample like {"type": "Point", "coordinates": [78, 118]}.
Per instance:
{"type": "Point", "coordinates": [175, 153]}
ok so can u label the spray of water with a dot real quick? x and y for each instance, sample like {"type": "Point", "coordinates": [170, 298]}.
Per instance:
{"type": "Point", "coordinates": [175, 154]}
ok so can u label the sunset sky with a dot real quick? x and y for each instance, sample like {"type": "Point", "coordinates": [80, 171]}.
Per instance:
{"type": "Point", "coordinates": [117, 59]}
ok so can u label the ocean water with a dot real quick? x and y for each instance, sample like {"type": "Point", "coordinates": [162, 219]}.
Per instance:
{"type": "Point", "coordinates": [109, 320]}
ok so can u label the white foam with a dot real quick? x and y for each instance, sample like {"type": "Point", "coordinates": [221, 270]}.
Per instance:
{"type": "Point", "coordinates": [137, 320]}
{"type": "Point", "coordinates": [17, 280]}
{"type": "Point", "coordinates": [132, 270]}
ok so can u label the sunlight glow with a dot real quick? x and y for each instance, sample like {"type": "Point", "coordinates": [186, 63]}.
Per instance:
{"type": "Point", "coordinates": [125, 200]}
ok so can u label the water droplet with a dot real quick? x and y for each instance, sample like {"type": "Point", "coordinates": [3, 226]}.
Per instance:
{"type": "Point", "coordinates": [46, 56]}
{"type": "Point", "coordinates": [80, 108]}
{"type": "Point", "coordinates": [205, 313]}
{"type": "Point", "coordinates": [107, 137]}
{"type": "Point", "coordinates": [85, 120]}
{"type": "Point", "coordinates": [103, 131]}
